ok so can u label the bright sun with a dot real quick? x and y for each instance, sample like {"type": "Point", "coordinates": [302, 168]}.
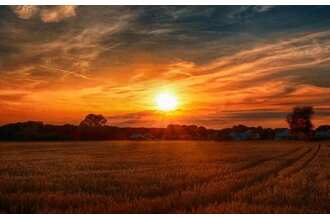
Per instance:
{"type": "Point", "coordinates": [166, 101]}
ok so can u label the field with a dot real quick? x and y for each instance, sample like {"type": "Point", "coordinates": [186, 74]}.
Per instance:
{"type": "Point", "coordinates": [165, 177]}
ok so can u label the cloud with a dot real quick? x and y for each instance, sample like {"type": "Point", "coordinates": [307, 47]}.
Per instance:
{"type": "Point", "coordinates": [267, 76]}
{"type": "Point", "coordinates": [138, 119]}
{"type": "Point", "coordinates": [25, 11]}
{"type": "Point", "coordinates": [212, 61]}
{"type": "Point", "coordinates": [263, 62]}
{"type": "Point", "coordinates": [57, 13]}
{"type": "Point", "coordinates": [12, 97]}
{"type": "Point", "coordinates": [263, 8]}
{"type": "Point", "coordinates": [246, 12]}
{"type": "Point", "coordinates": [48, 14]}
{"type": "Point", "coordinates": [56, 56]}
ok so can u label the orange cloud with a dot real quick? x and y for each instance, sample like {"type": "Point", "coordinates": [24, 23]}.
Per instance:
{"type": "Point", "coordinates": [57, 13]}
{"type": "Point", "coordinates": [250, 86]}
{"type": "Point", "coordinates": [25, 11]}
{"type": "Point", "coordinates": [48, 14]}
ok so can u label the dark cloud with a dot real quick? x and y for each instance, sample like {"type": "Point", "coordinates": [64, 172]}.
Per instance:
{"type": "Point", "coordinates": [258, 115]}
{"type": "Point", "coordinates": [14, 97]}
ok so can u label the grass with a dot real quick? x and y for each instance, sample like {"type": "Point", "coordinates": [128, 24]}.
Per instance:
{"type": "Point", "coordinates": [165, 177]}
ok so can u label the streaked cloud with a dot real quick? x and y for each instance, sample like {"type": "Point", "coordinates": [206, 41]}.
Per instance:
{"type": "Point", "coordinates": [227, 65]}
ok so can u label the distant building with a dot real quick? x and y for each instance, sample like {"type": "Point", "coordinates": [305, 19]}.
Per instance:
{"type": "Point", "coordinates": [282, 134]}
{"type": "Point", "coordinates": [322, 135]}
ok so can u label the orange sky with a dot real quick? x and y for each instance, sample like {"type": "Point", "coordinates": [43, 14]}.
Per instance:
{"type": "Point", "coordinates": [116, 67]}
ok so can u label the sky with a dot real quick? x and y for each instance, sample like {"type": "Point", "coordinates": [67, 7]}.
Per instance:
{"type": "Point", "coordinates": [226, 65]}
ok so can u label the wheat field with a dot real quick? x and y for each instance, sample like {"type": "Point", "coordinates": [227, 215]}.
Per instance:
{"type": "Point", "coordinates": [165, 177]}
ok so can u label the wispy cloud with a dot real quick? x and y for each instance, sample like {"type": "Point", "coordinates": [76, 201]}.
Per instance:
{"type": "Point", "coordinates": [226, 64]}
{"type": "Point", "coordinates": [267, 76]}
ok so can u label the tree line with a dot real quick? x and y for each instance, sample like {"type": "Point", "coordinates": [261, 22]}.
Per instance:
{"type": "Point", "coordinates": [93, 127]}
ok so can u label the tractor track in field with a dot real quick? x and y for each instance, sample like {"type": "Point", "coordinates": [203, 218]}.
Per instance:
{"type": "Point", "coordinates": [211, 178]}
{"type": "Point", "coordinates": [178, 191]}
{"type": "Point", "coordinates": [273, 173]}
{"type": "Point", "coordinates": [307, 162]}
{"type": "Point", "coordinates": [205, 181]}
{"type": "Point", "coordinates": [258, 162]}
{"type": "Point", "coordinates": [287, 164]}
{"type": "Point", "coordinates": [244, 168]}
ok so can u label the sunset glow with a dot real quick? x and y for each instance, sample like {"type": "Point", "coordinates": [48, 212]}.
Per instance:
{"type": "Point", "coordinates": [155, 108]}
{"type": "Point", "coordinates": [166, 101]}
{"type": "Point", "coordinates": [60, 63]}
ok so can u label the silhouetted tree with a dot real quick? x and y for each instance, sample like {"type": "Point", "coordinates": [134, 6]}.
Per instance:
{"type": "Point", "coordinates": [300, 122]}
{"type": "Point", "coordinates": [92, 120]}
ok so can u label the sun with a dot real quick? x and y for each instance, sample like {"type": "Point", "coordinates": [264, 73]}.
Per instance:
{"type": "Point", "coordinates": [166, 101]}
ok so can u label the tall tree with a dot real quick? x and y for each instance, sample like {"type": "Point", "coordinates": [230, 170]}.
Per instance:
{"type": "Point", "coordinates": [300, 122]}
{"type": "Point", "coordinates": [92, 120]}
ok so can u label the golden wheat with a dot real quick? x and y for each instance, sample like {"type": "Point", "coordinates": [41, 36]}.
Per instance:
{"type": "Point", "coordinates": [165, 177]}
